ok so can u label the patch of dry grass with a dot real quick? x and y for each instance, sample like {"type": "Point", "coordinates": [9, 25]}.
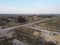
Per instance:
{"type": "Point", "coordinates": [27, 35]}
{"type": "Point", "coordinates": [53, 25]}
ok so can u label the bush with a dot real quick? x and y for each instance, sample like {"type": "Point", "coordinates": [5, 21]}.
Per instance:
{"type": "Point", "coordinates": [50, 43]}
{"type": "Point", "coordinates": [20, 19]}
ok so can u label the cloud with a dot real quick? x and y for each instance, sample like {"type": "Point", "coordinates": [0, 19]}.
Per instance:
{"type": "Point", "coordinates": [40, 8]}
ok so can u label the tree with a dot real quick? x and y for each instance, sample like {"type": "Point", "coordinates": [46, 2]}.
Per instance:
{"type": "Point", "coordinates": [6, 41]}
{"type": "Point", "coordinates": [20, 19]}
{"type": "Point", "coordinates": [50, 43]}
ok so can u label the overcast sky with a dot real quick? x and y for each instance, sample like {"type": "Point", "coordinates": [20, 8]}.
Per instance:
{"type": "Point", "coordinates": [30, 6]}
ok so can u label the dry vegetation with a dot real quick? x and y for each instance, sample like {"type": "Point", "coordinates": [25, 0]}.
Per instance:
{"type": "Point", "coordinates": [28, 35]}
{"type": "Point", "coordinates": [53, 25]}
{"type": "Point", "coordinates": [24, 34]}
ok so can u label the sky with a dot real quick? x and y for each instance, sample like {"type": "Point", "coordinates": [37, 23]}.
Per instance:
{"type": "Point", "coordinates": [29, 6]}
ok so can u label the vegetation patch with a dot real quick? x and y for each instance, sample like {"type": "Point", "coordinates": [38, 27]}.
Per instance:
{"type": "Point", "coordinates": [53, 25]}
{"type": "Point", "coordinates": [27, 35]}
